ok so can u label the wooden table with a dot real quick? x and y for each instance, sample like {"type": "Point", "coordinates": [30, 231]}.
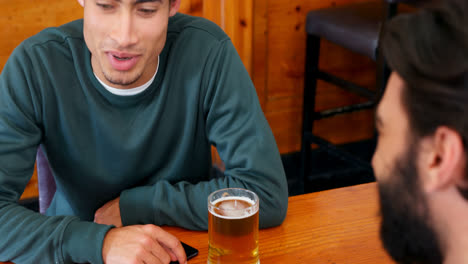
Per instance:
{"type": "Point", "coordinates": [336, 226]}
{"type": "Point", "coordinates": [330, 227]}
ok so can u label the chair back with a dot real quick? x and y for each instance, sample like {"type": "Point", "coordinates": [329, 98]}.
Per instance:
{"type": "Point", "coordinates": [46, 181]}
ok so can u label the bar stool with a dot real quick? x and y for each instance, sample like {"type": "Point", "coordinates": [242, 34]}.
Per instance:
{"type": "Point", "coordinates": [355, 27]}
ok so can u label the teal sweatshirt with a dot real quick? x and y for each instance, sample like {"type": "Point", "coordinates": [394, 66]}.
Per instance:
{"type": "Point", "coordinates": [151, 149]}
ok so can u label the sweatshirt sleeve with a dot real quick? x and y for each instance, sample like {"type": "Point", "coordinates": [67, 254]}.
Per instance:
{"type": "Point", "coordinates": [236, 125]}
{"type": "Point", "coordinates": [27, 236]}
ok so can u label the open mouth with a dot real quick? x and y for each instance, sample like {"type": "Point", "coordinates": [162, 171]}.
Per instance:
{"type": "Point", "coordinates": [122, 61]}
{"type": "Point", "coordinates": [122, 58]}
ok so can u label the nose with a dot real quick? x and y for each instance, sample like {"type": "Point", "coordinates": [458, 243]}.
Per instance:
{"type": "Point", "coordinates": [123, 31]}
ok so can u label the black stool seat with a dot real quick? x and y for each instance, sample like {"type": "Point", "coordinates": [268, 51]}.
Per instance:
{"type": "Point", "coordinates": [355, 27]}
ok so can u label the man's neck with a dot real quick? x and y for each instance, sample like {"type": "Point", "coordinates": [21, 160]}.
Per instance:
{"type": "Point", "coordinates": [456, 258]}
{"type": "Point", "coordinates": [456, 251]}
{"type": "Point", "coordinates": [449, 211]}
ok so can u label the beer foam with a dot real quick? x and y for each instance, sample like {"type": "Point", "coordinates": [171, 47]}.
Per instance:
{"type": "Point", "coordinates": [234, 211]}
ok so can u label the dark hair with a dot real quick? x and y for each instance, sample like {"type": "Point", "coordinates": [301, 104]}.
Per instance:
{"type": "Point", "coordinates": [429, 50]}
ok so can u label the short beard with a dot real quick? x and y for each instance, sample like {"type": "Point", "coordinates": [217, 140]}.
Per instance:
{"type": "Point", "coordinates": [121, 81]}
{"type": "Point", "coordinates": [406, 230]}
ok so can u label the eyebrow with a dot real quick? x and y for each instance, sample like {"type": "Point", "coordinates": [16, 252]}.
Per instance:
{"type": "Point", "coordinates": [144, 1]}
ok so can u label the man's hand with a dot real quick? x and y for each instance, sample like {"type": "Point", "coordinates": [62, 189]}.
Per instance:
{"type": "Point", "coordinates": [109, 214]}
{"type": "Point", "coordinates": [141, 244]}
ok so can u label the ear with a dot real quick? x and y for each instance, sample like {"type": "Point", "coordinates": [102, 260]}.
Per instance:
{"type": "Point", "coordinates": [81, 2]}
{"type": "Point", "coordinates": [444, 164]}
{"type": "Point", "coordinates": [174, 5]}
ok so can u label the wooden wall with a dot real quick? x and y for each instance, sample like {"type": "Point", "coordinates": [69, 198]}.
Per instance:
{"type": "Point", "coordinates": [270, 38]}
{"type": "Point", "coordinates": [281, 86]}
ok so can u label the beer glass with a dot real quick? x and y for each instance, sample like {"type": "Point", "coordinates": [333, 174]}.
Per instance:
{"type": "Point", "coordinates": [233, 227]}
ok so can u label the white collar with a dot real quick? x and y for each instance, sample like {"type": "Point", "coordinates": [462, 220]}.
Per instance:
{"type": "Point", "coordinates": [132, 91]}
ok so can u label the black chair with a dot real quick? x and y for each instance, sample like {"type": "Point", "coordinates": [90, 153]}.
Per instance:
{"type": "Point", "coordinates": [356, 27]}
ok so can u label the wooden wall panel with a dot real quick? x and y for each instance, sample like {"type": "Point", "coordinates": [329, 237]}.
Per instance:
{"type": "Point", "coordinates": [260, 50]}
{"type": "Point", "coordinates": [235, 17]}
{"type": "Point", "coordinates": [238, 24]}
{"type": "Point", "coordinates": [192, 7]}
{"type": "Point", "coordinates": [274, 56]}
{"type": "Point", "coordinates": [21, 19]}
{"type": "Point", "coordinates": [284, 77]}
{"type": "Point", "coordinates": [212, 11]}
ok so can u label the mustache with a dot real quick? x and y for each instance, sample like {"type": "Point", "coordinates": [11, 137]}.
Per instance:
{"type": "Point", "coordinates": [112, 45]}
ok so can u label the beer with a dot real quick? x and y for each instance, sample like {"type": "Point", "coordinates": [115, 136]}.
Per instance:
{"type": "Point", "coordinates": [233, 228]}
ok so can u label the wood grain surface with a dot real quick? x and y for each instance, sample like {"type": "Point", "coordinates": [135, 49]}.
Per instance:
{"type": "Point", "coordinates": [338, 226]}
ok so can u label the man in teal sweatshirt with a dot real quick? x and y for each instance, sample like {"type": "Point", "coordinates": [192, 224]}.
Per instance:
{"type": "Point", "coordinates": [126, 104]}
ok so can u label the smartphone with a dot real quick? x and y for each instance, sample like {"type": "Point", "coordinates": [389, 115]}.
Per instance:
{"type": "Point", "coordinates": [189, 251]}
